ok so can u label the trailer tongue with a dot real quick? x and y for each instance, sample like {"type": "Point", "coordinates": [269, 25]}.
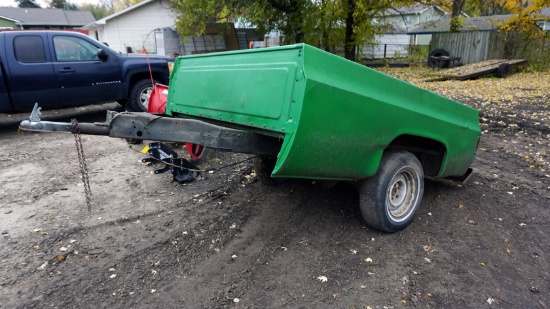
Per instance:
{"type": "Point", "coordinates": [309, 114]}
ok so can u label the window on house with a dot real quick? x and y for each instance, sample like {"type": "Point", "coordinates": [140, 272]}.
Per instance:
{"type": "Point", "coordinates": [29, 49]}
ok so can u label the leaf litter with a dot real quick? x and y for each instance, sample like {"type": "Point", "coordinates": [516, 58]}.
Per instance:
{"type": "Point", "coordinates": [514, 107]}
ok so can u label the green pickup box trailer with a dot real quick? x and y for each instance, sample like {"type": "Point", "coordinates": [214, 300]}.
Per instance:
{"type": "Point", "coordinates": [310, 114]}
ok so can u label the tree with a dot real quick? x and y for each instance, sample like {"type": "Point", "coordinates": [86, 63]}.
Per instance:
{"type": "Point", "coordinates": [360, 28]}
{"type": "Point", "coordinates": [70, 7]}
{"type": "Point", "coordinates": [323, 23]}
{"type": "Point", "coordinates": [27, 4]}
{"type": "Point", "coordinates": [98, 10]}
{"type": "Point", "coordinates": [457, 9]}
{"type": "Point", "coordinates": [525, 17]}
{"type": "Point", "coordinates": [322, 27]}
{"type": "Point", "coordinates": [58, 4]}
{"type": "Point", "coordinates": [286, 16]}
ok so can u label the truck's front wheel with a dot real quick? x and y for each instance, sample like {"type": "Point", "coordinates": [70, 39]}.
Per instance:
{"type": "Point", "coordinates": [390, 199]}
{"type": "Point", "coordinates": [139, 95]}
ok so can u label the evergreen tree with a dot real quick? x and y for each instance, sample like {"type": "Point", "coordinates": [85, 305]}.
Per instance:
{"type": "Point", "coordinates": [58, 4]}
{"type": "Point", "coordinates": [27, 4]}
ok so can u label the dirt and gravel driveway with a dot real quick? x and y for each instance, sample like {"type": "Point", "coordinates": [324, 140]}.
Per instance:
{"type": "Point", "coordinates": [226, 241]}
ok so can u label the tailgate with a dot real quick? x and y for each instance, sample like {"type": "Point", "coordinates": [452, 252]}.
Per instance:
{"type": "Point", "coordinates": [248, 88]}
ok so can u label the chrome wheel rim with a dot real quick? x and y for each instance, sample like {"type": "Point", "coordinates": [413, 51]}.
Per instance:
{"type": "Point", "coordinates": [402, 195]}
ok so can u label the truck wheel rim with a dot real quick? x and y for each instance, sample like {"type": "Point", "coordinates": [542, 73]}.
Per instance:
{"type": "Point", "coordinates": [402, 195]}
{"type": "Point", "coordinates": [144, 96]}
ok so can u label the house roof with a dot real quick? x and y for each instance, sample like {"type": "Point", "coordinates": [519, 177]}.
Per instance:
{"type": "Point", "coordinates": [103, 21]}
{"type": "Point", "coordinates": [415, 9]}
{"type": "Point", "coordinates": [482, 23]}
{"type": "Point", "coordinates": [54, 17]}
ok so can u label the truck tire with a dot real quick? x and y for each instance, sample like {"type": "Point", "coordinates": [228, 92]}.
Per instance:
{"type": "Point", "coordinates": [263, 167]}
{"type": "Point", "coordinates": [389, 200]}
{"type": "Point", "coordinates": [139, 95]}
{"type": "Point", "coordinates": [432, 63]}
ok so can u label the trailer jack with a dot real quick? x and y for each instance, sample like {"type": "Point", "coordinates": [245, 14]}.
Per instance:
{"type": "Point", "coordinates": [182, 170]}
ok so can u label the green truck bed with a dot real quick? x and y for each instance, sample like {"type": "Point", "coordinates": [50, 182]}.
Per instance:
{"type": "Point", "coordinates": [306, 114]}
{"type": "Point", "coordinates": [336, 117]}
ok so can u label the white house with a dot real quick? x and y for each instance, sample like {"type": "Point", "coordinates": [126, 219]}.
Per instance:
{"type": "Point", "coordinates": [395, 42]}
{"type": "Point", "coordinates": [544, 22]}
{"type": "Point", "coordinates": [149, 24]}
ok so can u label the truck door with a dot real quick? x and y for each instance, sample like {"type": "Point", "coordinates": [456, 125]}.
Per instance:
{"type": "Point", "coordinates": [29, 72]}
{"type": "Point", "coordinates": [83, 78]}
{"type": "Point", "coordinates": [5, 106]}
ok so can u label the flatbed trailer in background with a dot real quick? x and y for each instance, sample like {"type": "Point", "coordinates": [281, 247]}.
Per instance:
{"type": "Point", "coordinates": [499, 67]}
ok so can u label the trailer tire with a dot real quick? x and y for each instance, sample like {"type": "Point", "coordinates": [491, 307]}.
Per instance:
{"type": "Point", "coordinates": [390, 199]}
{"type": "Point", "coordinates": [504, 70]}
{"type": "Point", "coordinates": [139, 95]}
{"type": "Point", "coordinates": [263, 167]}
{"type": "Point", "coordinates": [432, 63]}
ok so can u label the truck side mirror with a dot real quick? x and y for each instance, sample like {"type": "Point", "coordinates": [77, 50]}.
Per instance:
{"type": "Point", "coordinates": [102, 55]}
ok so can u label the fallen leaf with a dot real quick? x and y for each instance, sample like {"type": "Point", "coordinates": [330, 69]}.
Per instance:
{"type": "Point", "coordinates": [43, 266]}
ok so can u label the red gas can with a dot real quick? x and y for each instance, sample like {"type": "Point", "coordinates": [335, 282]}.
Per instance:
{"type": "Point", "coordinates": [157, 100]}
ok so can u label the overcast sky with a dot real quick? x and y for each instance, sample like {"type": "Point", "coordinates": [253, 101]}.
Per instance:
{"type": "Point", "coordinates": [44, 3]}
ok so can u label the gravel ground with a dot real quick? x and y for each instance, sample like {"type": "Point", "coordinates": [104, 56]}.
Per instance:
{"type": "Point", "coordinates": [226, 241]}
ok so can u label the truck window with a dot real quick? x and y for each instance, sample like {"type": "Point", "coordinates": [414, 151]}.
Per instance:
{"type": "Point", "coordinates": [29, 49]}
{"type": "Point", "coordinates": [74, 49]}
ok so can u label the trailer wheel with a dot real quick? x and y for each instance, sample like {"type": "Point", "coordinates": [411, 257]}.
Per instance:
{"type": "Point", "coordinates": [263, 167]}
{"type": "Point", "coordinates": [390, 199]}
{"type": "Point", "coordinates": [504, 70]}
{"type": "Point", "coordinates": [139, 95]}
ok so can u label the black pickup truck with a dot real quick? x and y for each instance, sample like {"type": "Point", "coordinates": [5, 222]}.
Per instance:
{"type": "Point", "coordinates": [59, 69]}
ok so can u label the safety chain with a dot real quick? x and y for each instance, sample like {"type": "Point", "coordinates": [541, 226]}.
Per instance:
{"type": "Point", "coordinates": [82, 161]}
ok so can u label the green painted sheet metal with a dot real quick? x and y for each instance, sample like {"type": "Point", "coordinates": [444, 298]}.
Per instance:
{"type": "Point", "coordinates": [249, 88]}
{"type": "Point", "coordinates": [336, 116]}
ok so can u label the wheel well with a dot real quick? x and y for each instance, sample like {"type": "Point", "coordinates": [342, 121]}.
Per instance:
{"type": "Point", "coordinates": [429, 152]}
{"type": "Point", "coordinates": [141, 76]}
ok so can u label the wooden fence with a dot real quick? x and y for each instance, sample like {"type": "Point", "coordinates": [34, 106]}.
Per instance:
{"type": "Point", "coordinates": [478, 46]}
